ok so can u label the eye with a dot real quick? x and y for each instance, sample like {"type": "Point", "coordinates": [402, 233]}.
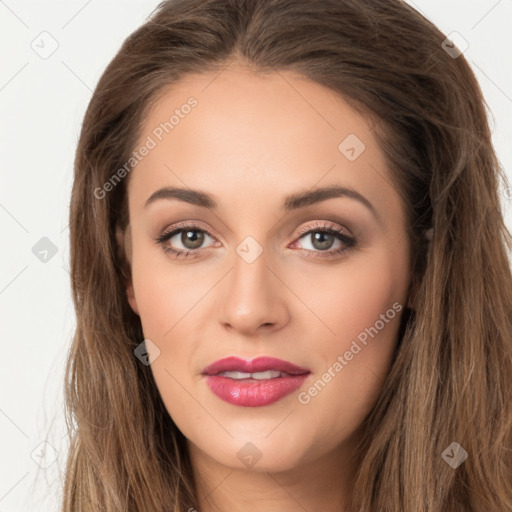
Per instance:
{"type": "Point", "coordinates": [322, 237]}
{"type": "Point", "coordinates": [190, 237]}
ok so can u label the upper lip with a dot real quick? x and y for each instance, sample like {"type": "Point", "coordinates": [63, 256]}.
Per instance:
{"type": "Point", "coordinates": [258, 364]}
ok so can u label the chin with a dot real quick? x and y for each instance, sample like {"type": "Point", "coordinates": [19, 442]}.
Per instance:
{"type": "Point", "coordinates": [260, 455]}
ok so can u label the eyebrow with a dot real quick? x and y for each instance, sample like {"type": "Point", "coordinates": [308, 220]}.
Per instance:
{"type": "Point", "coordinates": [291, 202]}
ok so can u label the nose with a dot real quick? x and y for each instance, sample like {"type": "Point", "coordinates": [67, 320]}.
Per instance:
{"type": "Point", "coordinates": [253, 298]}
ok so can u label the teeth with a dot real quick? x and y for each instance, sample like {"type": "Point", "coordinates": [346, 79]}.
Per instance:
{"type": "Point", "coordinates": [268, 374]}
{"type": "Point", "coordinates": [236, 375]}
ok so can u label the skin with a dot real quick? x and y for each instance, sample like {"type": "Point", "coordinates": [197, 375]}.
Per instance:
{"type": "Point", "coordinates": [251, 141]}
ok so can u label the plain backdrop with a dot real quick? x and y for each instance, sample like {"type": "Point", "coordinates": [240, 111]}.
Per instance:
{"type": "Point", "coordinates": [42, 102]}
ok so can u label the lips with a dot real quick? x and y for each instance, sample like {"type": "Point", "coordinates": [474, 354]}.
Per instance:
{"type": "Point", "coordinates": [259, 364]}
{"type": "Point", "coordinates": [258, 382]}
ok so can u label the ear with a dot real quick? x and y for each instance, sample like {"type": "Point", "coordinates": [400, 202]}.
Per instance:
{"type": "Point", "coordinates": [124, 242]}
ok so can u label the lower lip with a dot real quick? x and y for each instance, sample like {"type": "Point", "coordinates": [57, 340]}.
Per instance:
{"type": "Point", "coordinates": [252, 392]}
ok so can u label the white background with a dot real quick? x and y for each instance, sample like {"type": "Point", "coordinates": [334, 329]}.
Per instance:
{"type": "Point", "coordinates": [42, 103]}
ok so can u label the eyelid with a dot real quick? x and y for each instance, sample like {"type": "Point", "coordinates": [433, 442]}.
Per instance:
{"type": "Point", "coordinates": [182, 226]}
{"type": "Point", "coordinates": [325, 226]}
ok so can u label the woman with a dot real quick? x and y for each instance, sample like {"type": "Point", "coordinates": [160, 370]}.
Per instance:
{"type": "Point", "coordinates": [289, 268]}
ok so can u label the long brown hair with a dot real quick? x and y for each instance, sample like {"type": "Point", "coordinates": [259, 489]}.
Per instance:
{"type": "Point", "coordinates": [451, 378]}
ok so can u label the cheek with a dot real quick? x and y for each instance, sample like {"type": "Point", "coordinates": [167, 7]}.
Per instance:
{"type": "Point", "coordinates": [351, 297]}
{"type": "Point", "coordinates": [164, 295]}
{"type": "Point", "coordinates": [170, 302]}
{"type": "Point", "coordinates": [362, 305]}
{"type": "Point", "coordinates": [167, 301]}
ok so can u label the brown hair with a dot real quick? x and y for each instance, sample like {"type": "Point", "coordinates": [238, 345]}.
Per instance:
{"type": "Point", "coordinates": [451, 378]}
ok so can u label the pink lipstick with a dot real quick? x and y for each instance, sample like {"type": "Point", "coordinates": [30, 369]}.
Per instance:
{"type": "Point", "coordinates": [260, 381]}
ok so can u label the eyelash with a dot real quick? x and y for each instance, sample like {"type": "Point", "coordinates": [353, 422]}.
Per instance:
{"type": "Point", "coordinates": [349, 242]}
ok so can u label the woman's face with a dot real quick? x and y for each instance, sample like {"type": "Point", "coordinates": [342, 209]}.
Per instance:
{"type": "Point", "coordinates": [275, 267]}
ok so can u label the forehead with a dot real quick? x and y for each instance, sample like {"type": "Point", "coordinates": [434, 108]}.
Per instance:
{"type": "Point", "coordinates": [237, 130]}
{"type": "Point", "coordinates": [278, 103]}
